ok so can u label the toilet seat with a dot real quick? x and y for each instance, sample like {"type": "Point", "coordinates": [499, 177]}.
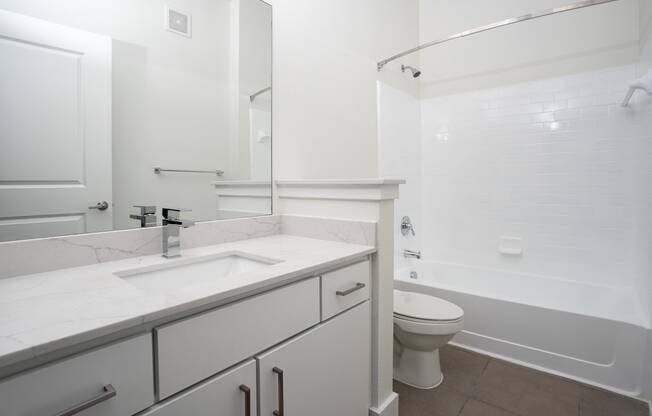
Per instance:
{"type": "Point", "coordinates": [417, 307]}
{"type": "Point", "coordinates": [422, 327]}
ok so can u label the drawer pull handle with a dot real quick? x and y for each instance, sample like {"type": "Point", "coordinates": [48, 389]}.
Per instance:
{"type": "Point", "coordinates": [247, 391]}
{"type": "Point", "coordinates": [108, 392]}
{"type": "Point", "coordinates": [281, 405]}
{"type": "Point", "coordinates": [347, 292]}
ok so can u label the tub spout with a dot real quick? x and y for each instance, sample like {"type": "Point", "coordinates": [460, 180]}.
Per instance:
{"type": "Point", "coordinates": [412, 254]}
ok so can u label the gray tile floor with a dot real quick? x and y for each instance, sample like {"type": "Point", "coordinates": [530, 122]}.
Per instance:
{"type": "Point", "coordinates": [477, 385]}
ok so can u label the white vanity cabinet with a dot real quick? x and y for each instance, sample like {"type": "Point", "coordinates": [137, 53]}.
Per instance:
{"type": "Point", "coordinates": [302, 349]}
{"type": "Point", "coordinates": [232, 393]}
{"type": "Point", "coordinates": [323, 372]}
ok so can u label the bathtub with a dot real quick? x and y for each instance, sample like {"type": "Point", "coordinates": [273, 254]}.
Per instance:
{"type": "Point", "coordinates": [592, 334]}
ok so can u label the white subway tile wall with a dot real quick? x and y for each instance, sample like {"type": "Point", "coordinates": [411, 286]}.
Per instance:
{"type": "Point", "coordinates": [556, 162]}
{"type": "Point", "coordinates": [399, 148]}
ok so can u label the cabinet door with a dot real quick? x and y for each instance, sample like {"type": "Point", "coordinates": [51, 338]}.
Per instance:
{"type": "Point", "coordinates": [232, 393]}
{"type": "Point", "coordinates": [324, 372]}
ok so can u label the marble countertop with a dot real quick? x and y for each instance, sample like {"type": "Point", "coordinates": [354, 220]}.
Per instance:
{"type": "Point", "coordinates": [48, 312]}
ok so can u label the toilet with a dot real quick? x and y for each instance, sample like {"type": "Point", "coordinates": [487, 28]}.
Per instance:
{"type": "Point", "coordinates": [422, 325]}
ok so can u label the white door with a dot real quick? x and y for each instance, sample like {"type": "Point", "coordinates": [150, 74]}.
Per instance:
{"type": "Point", "coordinates": [55, 129]}
{"type": "Point", "coordinates": [232, 393]}
{"type": "Point", "coordinates": [324, 372]}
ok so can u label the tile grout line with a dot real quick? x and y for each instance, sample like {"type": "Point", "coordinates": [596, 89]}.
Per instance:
{"type": "Point", "coordinates": [477, 381]}
{"type": "Point", "coordinates": [484, 369]}
{"type": "Point", "coordinates": [464, 405]}
{"type": "Point", "coordinates": [511, 412]}
{"type": "Point", "coordinates": [486, 365]}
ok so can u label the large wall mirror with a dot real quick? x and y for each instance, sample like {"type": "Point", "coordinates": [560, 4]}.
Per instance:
{"type": "Point", "coordinates": [107, 105]}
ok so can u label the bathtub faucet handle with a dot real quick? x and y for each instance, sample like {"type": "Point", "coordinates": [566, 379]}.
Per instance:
{"type": "Point", "coordinates": [407, 226]}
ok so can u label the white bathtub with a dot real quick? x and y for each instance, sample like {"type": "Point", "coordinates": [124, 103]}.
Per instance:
{"type": "Point", "coordinates": [590, 333]}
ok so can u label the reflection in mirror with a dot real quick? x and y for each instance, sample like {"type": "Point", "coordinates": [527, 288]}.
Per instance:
{"type": "Point", "coordinates": [109, 108]}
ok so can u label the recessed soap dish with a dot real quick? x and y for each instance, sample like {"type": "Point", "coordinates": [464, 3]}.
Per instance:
{"type": "Point", "coordinates": [510, 246]}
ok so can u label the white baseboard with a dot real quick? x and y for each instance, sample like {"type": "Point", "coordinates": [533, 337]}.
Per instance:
{"type": "Point", "coordinates": [388, 408]}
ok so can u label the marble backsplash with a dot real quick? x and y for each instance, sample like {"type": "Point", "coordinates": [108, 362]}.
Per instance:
{"type": "Point", "coordinates": [55, 253]}
{"type": "Point", "coordinates": [344, 231]}
{"type": "Point", "coordinates": [46, 254]}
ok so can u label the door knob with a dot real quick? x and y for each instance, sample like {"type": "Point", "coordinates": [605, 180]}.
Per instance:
{"type": "Point", "coordinates": [100, 206]}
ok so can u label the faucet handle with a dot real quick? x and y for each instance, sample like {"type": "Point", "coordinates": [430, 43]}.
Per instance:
{"type": "Point", "coordinates": [173, 213]}
{"type": "Point", "coordinates": [146, 209]}
{"type": "Point", "coordinates": [147, 215]}
{"type": "Point", "coordinates": [406, 226]}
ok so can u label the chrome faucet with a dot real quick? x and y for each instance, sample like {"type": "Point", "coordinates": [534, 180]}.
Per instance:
{"type": "Point", "coordinates": [172, 225]}
{"type": "Point", "coordinates": [412, 254]}
{"type": "Point", "coordinates": [147, 215]}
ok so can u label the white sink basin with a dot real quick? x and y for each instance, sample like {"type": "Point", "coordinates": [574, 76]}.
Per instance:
{"type": "Point", "coordinates": [186, 273]}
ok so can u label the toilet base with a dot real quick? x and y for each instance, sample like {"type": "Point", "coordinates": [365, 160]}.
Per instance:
{"type": "Point", "coordinates": [419, 369]}
{"type": "Point", "coordinates": [419, 387]}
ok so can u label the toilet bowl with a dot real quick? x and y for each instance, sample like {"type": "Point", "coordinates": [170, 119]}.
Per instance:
{"type": "Point", "coordinates": [422, 325]}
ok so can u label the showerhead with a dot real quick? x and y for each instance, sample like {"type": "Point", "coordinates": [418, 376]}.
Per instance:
{"type": "Point", "coordinates": [415, 72]}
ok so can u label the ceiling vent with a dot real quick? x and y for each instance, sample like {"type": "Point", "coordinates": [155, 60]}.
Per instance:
{"type": "Point", "coordinates": [178, 22]}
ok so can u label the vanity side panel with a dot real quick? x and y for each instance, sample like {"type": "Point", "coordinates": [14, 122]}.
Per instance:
{"type": "Point", "coordinates": [198, 347]}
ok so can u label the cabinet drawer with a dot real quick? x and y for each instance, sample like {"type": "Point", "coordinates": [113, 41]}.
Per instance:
{"type": "Point", "coordinates": [198, 347]}
{"type": "Point", "coordinates": [341, 289]}
{"type": "Point", "coordinates": [126, 366]}
{"type": "Point", "coordinates": [230, 394]}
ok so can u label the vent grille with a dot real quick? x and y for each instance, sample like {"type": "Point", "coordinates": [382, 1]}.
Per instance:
{"type": "Point", "coordinates": [178, 22]}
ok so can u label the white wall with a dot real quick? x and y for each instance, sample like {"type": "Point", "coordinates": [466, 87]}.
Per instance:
{"type": "Point", "coordinates": [555, 162]}
{"type": "Point", "coordinates": [645, 25]}
{"type": "Point", "coordinates": [325, 54]}
{"type": "Point", "coordinates": [578, 41]}
{"type": "Point", "coordinates": [325, 123]}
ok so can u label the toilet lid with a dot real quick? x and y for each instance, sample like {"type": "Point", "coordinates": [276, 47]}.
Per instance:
{"type": "Point", "coordinates": [425, 307]}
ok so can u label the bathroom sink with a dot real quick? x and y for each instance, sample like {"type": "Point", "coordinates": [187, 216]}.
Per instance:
{"type": "Point", "coordinates": [188, 272]}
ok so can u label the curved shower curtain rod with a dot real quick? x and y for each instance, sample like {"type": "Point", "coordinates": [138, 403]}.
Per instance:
{"type": "Point", "coordinates": [253, 96]}
{"type": "Point", "coordinates": [506, 22]}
